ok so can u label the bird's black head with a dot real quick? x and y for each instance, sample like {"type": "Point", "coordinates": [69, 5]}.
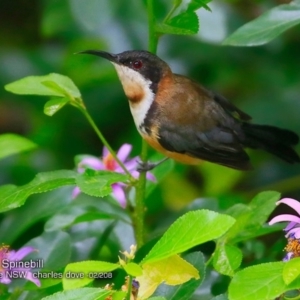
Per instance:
{"type": "Point", "coordinates": [131, 63]}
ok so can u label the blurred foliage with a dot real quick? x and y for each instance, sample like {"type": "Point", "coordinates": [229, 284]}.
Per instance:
{"type": "Point", "coordinates": [42, 37]}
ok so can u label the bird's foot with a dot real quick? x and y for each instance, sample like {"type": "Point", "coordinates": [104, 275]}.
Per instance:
{"type": "Point", "coordinates": [145, 166]}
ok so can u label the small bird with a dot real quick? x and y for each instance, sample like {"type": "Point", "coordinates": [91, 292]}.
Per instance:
{"type": "Point", "coordinates": [189, 123]}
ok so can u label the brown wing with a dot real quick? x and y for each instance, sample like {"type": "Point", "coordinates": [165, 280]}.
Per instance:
{"type": "Point", "coordinates": [230, 107]}
{"type": "Point", "coordinates": [196, 124]}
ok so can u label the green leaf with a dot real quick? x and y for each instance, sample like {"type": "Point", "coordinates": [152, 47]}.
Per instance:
{"type": "Point", "coordinates": [154, 273]}
{"type": "Point", "coordinates": [176, 2]}
{"type": "Point", "coordinates": [266, 27]}
{"type": "Point", "coordinates": [81, 294]}
{"type": "Point", "coordinates": [262, 281]}
{"type": "Point", "coordinates": [12, 196]}
{"type": "Point", "coordinates": [91, 216]}
{"type": "Point", "coordinates": [294, 285]}
{"type": "Point", "coordinates": [262, 206]}
{"type": "Point", "coordinates": [193, 228]}
{"type": "Point", "coordinates": [39, 208]}
{"type": "Point", "coordinates": [242, 214]}
{"type": "Point", "coordinates": [118, 295]}
{"type": "Point", "coordinates": [47, 279]}
{"type": "Point", "coordinates": [251, 219]}
{"type": "Point", "coordinates": [98, 183]}
{"type": "Point", "coordinates": [185, 23]}
{"type": "Point", "coordinates": [54, 248]}
{"type": "Point", "coordinates": [157, 298]}
{"type": "Point", "coordinates": [187, 289]}
{"type": "Point", "coordinates": [227, 259]}
{"type": "Point", "coordinates": [54, 105]}
{"type": "Point", "coordinates": [84, 209]}
{"type": "Point", "coordinates": [12, 144]}
{"type": "Point", "coordinates": [256, 232]}
{"type": "Point", "coordinates": [48, 85]}
{"type": "Point", "coordinates": [54, 86]}
{"type": "Point", "coordinates": [54, 251]}
{"type": "Point", "coordinates": [74, 214]}
{"type": "Point", "coordinates": [291, 270]}
{"type": "Point", "coordinates": [196, 4]}
{"type": "Point", "coordinates": [133, 269]}
{"type": "Point", "coordinates": [84, 272]}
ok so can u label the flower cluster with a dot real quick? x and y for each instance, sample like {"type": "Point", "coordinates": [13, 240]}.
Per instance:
{"type": "Point", "coordinates": [8, 257]}
{"type": "Point", "coordinates": [109, 163]}
{"type": "Point", "coordinates": [292, 229]}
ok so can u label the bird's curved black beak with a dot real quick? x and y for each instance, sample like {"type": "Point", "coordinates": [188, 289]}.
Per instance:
{"type": "Point", "coordinates": [111, 57]}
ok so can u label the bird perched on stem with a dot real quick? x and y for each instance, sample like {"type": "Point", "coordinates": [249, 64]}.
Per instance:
{"type": "Point", "coordinates": [189, 123]}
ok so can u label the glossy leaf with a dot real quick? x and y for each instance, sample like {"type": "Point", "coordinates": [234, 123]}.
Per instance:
{"type": "Point", "coordinates": [55, 87]}
{"type": "Point", "coordinates": [50, 279]}
{"type": "Point", "coordinates": [80, 294]}
{"type": "Point", "coordinates": [262, 281]}
{"type": "Point", "coordinates": [266, 27]}
{"type": "Point", "coordinates": [262, 206]}
{"type": "Point", "coordinates": [133, 269]}
{"type": "Point", "coordinates": [154, 273]}
{"type": "Point", "coordinates": [193, 228]}
{"type": "Point", "coordinates": [118, 296]}
{"type": "Point", "coordinates": [54, 105]}
{"type": "Point", "coordinates": [291, 270]}
{"type": "Point", "coordinates": [48, 85]}
{"type": "Point", "coordinates": [12, 144]}
{"type": "Point", "coordinates": [227, 259]}
{"type": "Point", "coordinates": [83, 270]}
{"type": "Point", "coordinates": [98, 183]}
{"type": "Point", "coordinates": [251, 218]}
{"type": "Point", "coordinates": [12, 196]}
{"type": "Point", "coordinates": [255, 232]}
{"type": "Point", "coordinates": [187, 289]}
{"type": "Point", "coordinates": [185, 23]}
{"type": "Point", "coordinates": [242, 213]}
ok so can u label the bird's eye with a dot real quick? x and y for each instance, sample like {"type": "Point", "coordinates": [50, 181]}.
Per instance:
{"type": "Point", "coordinates": [137, 64]}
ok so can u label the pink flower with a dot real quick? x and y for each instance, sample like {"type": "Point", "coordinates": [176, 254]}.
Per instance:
{"type": "Point", "coordinates": [9, 257]}
{"type": "Point", "coordinates": [292, 229]}
{"type": "Point", "coordinates": [110, 164]}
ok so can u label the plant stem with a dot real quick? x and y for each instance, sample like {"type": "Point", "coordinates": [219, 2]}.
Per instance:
{"type": "Point", "coordinates": [104, 141]}
{"type": "Point", "coordinates": [129, 287]}
{"type": "Point", "coordinates": [139, 213]}
{"type": "Point", "coordinates": [152, 35]}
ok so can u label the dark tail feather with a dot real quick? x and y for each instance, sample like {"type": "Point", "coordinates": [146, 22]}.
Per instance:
{"type": "Point", "coordinates": [272, 139]}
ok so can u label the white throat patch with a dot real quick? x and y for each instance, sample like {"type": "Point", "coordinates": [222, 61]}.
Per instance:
{"type": "Point", "coordinates": [132, 80]}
